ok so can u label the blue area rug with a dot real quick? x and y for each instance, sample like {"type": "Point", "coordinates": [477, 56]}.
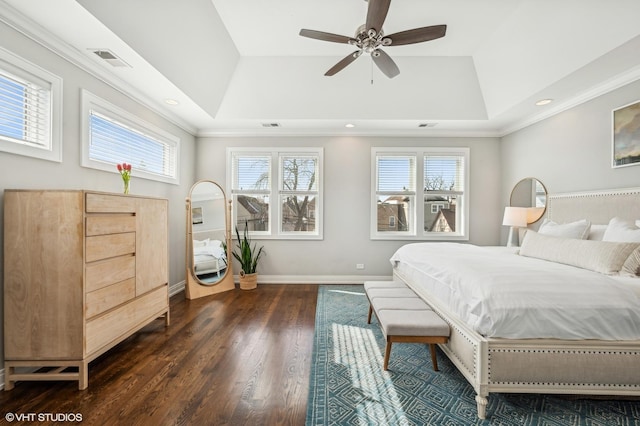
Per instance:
{"type": "Point", "coordinates": [349, 387]}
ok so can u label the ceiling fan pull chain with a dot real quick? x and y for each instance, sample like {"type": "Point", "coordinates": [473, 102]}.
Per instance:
{"type": "Point", "coordinates": [371, 63]}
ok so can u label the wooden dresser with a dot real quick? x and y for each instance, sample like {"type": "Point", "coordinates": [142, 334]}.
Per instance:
{"type": "Point", "coordinates": [83, 271]}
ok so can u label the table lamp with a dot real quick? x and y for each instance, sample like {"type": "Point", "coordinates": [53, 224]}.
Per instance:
{"type": "Point", "coordinates": [514, 217]}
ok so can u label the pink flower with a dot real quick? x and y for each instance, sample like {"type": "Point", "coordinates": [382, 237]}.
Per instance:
{"type": "Point", "coordinates": [125, 171]}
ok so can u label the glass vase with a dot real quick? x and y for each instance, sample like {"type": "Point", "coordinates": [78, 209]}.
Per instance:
{"type": "Point", "coordinates": [126, 186]}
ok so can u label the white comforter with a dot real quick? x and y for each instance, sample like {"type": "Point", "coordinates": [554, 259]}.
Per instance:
{"type": "Point", "coordinates": [501, 294]}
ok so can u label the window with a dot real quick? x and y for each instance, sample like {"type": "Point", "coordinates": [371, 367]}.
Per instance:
{"type": "Point", "coordinates": [30, 109]}
{"type": "Point", "coordinates": [112, 136]}
{"type": "Point", "coordinates": [277, 193]}
{"type": "Point", "coordinates": [424, 190]}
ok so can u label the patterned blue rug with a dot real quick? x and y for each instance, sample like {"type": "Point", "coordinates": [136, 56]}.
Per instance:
{"type": "Point", "coordinates": [349, 387]}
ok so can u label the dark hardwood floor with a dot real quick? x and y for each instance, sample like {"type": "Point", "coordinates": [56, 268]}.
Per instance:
{"type": "Point", "coordinates": [237, 358]}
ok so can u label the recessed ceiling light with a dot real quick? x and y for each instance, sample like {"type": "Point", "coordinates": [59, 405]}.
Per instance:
{"type": "Point", "coordinates": [171, 102]}
{"type": "Point", "coordinates": [544, 102]}
{"type": "Point", "coordinates": [350, 125]}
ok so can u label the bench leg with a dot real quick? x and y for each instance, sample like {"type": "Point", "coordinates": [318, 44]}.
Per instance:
{"type": "Point", "coordinates": [434, 360]}
{"type": "Point", "coordinates": [370, 312]}
{"type": "Point", "coordinates": [387, 354]}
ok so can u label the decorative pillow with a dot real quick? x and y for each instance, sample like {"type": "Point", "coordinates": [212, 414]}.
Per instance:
{"type": "Point", "coordinates": [200, 243]}
{"type": "Point", "coordinates": [631, 266]}
{"type": "Point", "coordinates": [596, 232]}
{"type": "Point", "coordinates": [621, 230]}
{"type": "Point", "coordinates": [600, 256]}
{"type": "Point", "coordinates": [579, 229]}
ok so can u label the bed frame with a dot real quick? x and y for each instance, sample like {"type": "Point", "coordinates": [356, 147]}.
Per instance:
{"type": "Point", "coordinates": [593, 367]}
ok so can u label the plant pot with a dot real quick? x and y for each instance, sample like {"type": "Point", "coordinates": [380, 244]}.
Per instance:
{"type": "Point", "coordinates": [248, 281]}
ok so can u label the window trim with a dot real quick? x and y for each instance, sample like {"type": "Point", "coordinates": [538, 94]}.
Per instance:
{"type": "Point", "coordinates": [14, 64]}
{"type": "Point", "coordinates": [91, 102]}
{"type": "Point", "coordinates": [418, 233]}
{"type": "Point", "coordinates": [275, 210]}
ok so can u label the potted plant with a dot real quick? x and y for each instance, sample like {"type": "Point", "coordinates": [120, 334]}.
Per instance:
{"type": "Point", "coordinates": [248, 256]}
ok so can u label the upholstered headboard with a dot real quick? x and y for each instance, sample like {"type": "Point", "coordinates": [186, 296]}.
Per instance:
{"type": "Point", "coordinates": [596, 206]}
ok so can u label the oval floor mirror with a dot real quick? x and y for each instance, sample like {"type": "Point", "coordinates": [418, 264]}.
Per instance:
{"type": "Point", "coordinates": [208, 255]}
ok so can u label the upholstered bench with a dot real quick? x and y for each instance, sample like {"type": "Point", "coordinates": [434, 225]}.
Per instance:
{"type": "Point", "coordinates": [404, 317]}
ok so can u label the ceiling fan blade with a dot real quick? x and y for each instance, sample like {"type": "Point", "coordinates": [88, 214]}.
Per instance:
{"type": "Point", "coordinates": [417, 35]}
{"type": "Point", "coordinates": [343, 63]}
{"type": "Point", "coordinates": [386, 64]}
{"type": "Point", "coordinates": [377, 13]}
{"type": "Point", "coordinates": [320, 35]}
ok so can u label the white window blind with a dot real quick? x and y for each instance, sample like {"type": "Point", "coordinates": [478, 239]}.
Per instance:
{"type": "Point", "coordinates": [396, 173]}
{"type": "Point", "coordinates": [444, 173]}
{"type": "Point", "coordinates": [30, 109]}
{"type": "Point", "coordinates": [251, 173]}
{"type": "Point", "coordinates": [113, 143]}
{"type": "Point", "coordinates": [25, 111]}
{"type": "Point", "coordinates": [113, 136]}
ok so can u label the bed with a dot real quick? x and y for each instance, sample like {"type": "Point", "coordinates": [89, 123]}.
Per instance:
{"type": "Point", "coordinates": [209, 258]}
{"type": "Point", "coordinates": [598, 353]}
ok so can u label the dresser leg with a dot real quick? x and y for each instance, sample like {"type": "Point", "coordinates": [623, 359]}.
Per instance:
{"type": "Point", "coordinates": [83, 375]}
{"type": "Point", "coordinates": [167, 319]}
{"type": "Point", "coordinates": [8, 372]}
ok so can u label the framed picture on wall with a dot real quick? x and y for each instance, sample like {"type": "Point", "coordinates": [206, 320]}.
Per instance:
{"type": "Point", "coordinates": [196, 215]}
{"type": "Point", "coordinates": [626, 135]}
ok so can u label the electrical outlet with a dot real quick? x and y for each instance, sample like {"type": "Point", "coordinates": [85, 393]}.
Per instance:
{"type": "Point", "coordinates": [359, 265]}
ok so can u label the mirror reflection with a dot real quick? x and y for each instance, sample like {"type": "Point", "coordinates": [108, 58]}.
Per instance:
{"type": "Point", "coordinates": [532, 194]}
{"type": "Point", "coordinates": [208, 233]}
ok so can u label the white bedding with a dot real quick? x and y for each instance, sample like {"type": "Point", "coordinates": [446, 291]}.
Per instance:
{"type": "Point", "coordinates": [501, 294]}
{"type": "Point", "coordinates": [209, 258]}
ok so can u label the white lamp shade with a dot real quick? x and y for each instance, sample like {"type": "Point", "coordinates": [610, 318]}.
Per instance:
{"type": "Point", "coordinates": [515, 216]}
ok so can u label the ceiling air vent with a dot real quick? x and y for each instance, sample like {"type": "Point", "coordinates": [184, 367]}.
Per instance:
{"type": "Point", "coordinates": [270, 124]}
{"type": "Point", "coordinates": [427, 124]}
{"type": "Point", "coordinates": [110, 57]}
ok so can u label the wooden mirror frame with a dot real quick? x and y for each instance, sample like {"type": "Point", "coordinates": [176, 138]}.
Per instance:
{"type": "Point", "coordinates": [534, 213]}
{"type": "Point", "coordinates": [195, 288]}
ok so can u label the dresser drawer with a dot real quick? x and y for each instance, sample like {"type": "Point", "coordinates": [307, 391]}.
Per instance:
{"type": "Point", "coordinates": [120, 322]}
{"type": "Point", "coordinates": [102, 300]}
{"type": "Point", "coordinates": [110, 271]}
{"type": "Point", "coordinates": [106, 203]}
{"type": "Point", "coordinates": [110, 224]}
{"type": "Point", "coordinates": [107, 246]}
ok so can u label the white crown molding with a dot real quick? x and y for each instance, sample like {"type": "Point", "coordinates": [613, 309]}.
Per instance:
{"type": "Point", "coordinates": [40, 35]}
{"type": "Point", "coordinates": [607, 86]}
{"type": "Point", "coordinates": [427, 133]}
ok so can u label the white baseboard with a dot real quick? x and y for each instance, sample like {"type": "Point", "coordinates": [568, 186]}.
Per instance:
{"type": "Point", "coordinates": [2, 379]}
{"type": "Point", "coordinates": [299, 279]}
{"type": "Point", "coordinates": [319, 279]}
{"type": "Point", "coordinates": [176, 288]}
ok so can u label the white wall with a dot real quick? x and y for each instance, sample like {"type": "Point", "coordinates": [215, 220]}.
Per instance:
{"type": "Point", "coordinates": [18, 172]}
{"type": "Point", "coordinates": [347, 198]}
{"type": "Point", "coordinates": [570, 151]}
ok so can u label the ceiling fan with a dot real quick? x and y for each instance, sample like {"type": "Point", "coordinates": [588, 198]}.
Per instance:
{"type": "Point", "coordinates": [369, 38]}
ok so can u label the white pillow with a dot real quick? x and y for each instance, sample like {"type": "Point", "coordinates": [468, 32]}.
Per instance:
{"type": "Point", "coordinates": [600, 256]}
{"type": "Point", "coordinates": [631, 266]}
{"type": "Point", "coordinates": [596, 232]}
{"type": "Point", "coordinates": [579, 229]}
{"type": "Point", "coordinates": [621, 230]}
{"type": "Point", "coordinates": [200, 243]}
